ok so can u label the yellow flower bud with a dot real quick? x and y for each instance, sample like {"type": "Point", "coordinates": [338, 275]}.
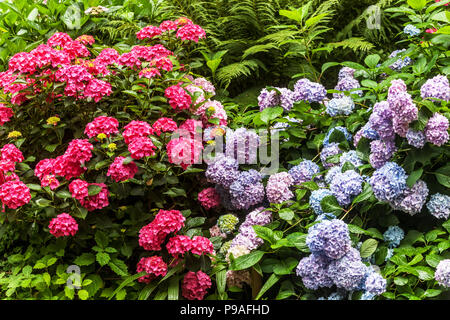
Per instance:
{"type": "Point", "coordinates": [101, 136]}
{"type": "Point", "coordinates": [14, 134]}
{"type": "Point", "coordinates": [53, 121]}
{"type": "Point", "coordinates": [112, 146]}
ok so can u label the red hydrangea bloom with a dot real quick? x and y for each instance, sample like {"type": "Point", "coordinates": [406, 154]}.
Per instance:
{"type": "Point", "coordinates": [86, 39]}
{"type": "Point", "coordinates": [11, 176]}
{"type": "Point", "coordinates": [178, 97]}
{"type": "Point", "coordinates": [179, 245]}
{"type": "Point", "coordinates": [76, 78]}
{"type": "Point", "coordinates": [79, 150]}
{"type": "Point", "coordinates": [97, 89]}
{"type": "Point", "coordinates": [11, 153]}
{"type": "Point", "coordinates": [98, 201]}
{"type": "Point", "coordinates": [209, 198]}
{"type": "Point", "coordinates": [129, 59]}
{"type": "Point", "coordinates": [5, 114]}
{"type": "Point", "coordinates": [107, 57]}
{"type": "Point", "coordinates": [168, 25]}
{"type": "Point", "coordinates": [63, 225]}
{"type": "Point", "coordinates": [162, 63]}
{"type": "Point", "coordinates": [169, 221]}
{"type": "Point", "coordinates": [191, 32]}
{"type": "Point", "coordinates": [75, 49]}
{"type": "Point", "coordinates": [154, 266]}
{"type": "Point", "coordinates": [195, 285]}
{"type": "Point", "coordinates": [141, 147]}
{"type": "Point", "coordinates": [67, 167]}
{"type": "Point", "coordinates": [121, 172]}
{"type": "Point", "coordinates": [164, 125]}
{"type": "Point", "coordinates": [201, 245]}
{"type": "Point", "coordinates": [79, 189]}
{"type": "Point", "coordinates": [158, 51]}
{"type": "Point", "coordinates": [59, 39]}
{"type": "Point", "coordinates": [184, 151]}
{"type": "Point", "coordinates": [181, 21]}
{"type": "Point", "coordinates": [151, 238]}
{"type": "Point", "coordinates": [44, 167]}
{"type": "Point", "coordinates": [6, 165]}
{"type": "Point", "coordinates": [149, 73]}
{"type": "Point", "coordinates": [148, 32]}
{"type": "Point", "coordinates": [136, 129]}
{"type": "Point", "coordinates": [23, 62]}
{"type": "Point", "coordinates": [102, 124]}
{"type": "Point", "coordinates": [14, 194]}
{"type": "Point", "coordinates": [51, 181]}
{"type": "Point", "coordinates": [192, 126]}
{"type": "Point", "coordinates": [46, 55]}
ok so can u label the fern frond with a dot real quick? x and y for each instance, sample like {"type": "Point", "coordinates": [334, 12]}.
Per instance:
{"type": "Point", "coordinates": [355, 43]}
{"type": "Point", "coordinates": [258, 49]}
{"type": "Point", "coordinates": [236, 70]}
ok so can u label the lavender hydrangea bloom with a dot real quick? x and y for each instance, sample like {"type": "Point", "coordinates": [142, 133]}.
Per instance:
{"type": "Point", "coordinates": [381, 120]}
{"type": "Point", "coordinates": [388, 182]}
{"type": "Point", "coordinates": [411, 30]}
{"type": "Point", "coordinates": [348, 271]}
{"type": "Point", "coordinates": [242, 145]}
{"type": "Point", "coordinates": [259, 217]}
{"type": "Point", "coordinates": [401, 62]}
{"type": "Point", "coordinates": [436, 87]}
{"type": "Point", "coordinates": [393, 235]}
{"type": "Point", "coordinates": [222, 171]}
{"type": "Point", "coordinates": [304, 171]}
{"type": "Point", "coordinates": [346, 72]}
{"type": "Point", "coordinates": [331, 173]}
{"type": "Point", "coordinates": [412, 199]}
{"type": "Point", "coordinates": [416, 138]}
{"type": "Point", "coordinates": [367, 132]}
{"type": "Point", "coordinates": [287, 98]}
{"type": "Point", "coordinates": [248, 232]}
{"type": "Point", "coordinates": [313, 271]}
{"type": "Point", "coordinates": [402, 105]}
{"type": "Point", "coordinates": [436, 130]}
{"type": "Point", "coordinates": [352, 157]}
{"type": "Point", "coordinates": [307, 90]}
{"type": "Point", "coordinates": [247, 190]}
{"type": "Point", "coordinates": [381, 152]}
{"type": "Point", "coordinates": [375, 284]}
{"type": "Point", "coordinates": [347, 84]}
{"type": "Point", "coordinates": [439, 205]}
{"type": "Point", "coordinates": [347, 134]}
{"type": "Point", "coordinates": [244, 241]}
{"type": "Point", "coordinates": [267, 99]}
{"type": "Point", "coordinates": [277, 189]}
{"type": "Point", "coordinates": [329, 237]}
{"type": "Point", "coordinates": [345, 186]}
{"type": "Point", "coordinates": [330, 150]}
{"type": "Point", "coordinates": [442, 273]}
{"type": "Point", "coordinates": [337, 106]}
{"type": "Point", "coordinates": [316, 197]}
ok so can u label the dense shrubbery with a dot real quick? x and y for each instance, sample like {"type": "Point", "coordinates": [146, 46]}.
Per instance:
{"type": "Point", "coordinates": [93, 178]}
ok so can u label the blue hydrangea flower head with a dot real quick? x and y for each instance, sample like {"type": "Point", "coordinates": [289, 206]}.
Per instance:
{"type": "Point", "coordinates": [345, 186]}
{"type": "Point", "coordinates": [439, 206]}
{"type": "Point", "coordinates": [304, 171]}
{"type": "Point", "coordinates": [388, 182]}
{"type": "Point", "coordinates": [411, 30]}
{"type": "Point", "coordinates": [393, 236]}
{"type": "Point", "coordinates": [340, 106]}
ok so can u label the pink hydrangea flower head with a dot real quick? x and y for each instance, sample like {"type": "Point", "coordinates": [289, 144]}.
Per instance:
{"type": "Point", "coordinates": [168, 25]}
{"type": "Point", "coordinates": [23, 62]}
{"type": "Point", "coordinates": [11, 176]}
{"type": "Point", "coordinates": [86, 39]}
{"type": "Point", "coordinates": [148, 32]}
{"type": "Point", "coordinates": [59, 39]}
{"type": "Point", "coordinates": [79, 150]}
{"type": "Point", "coordinates": [136, 129]}
{"type": "Point", "coordinates": [184, 151]}
{"type": "Point", "coordinates": [153, 266]}
{"type": "Point", "coordinates": [141, 147]}
{"type": "Point", "coordinates": [162, 63]}
{"type": "Point", "coordinates": [192, 126]}
{"type": "Point", "coordinates": [129, 59]}
{"type": "Point", "coordinates": [97, 89]}
{"type": "Point", "coordinates": [212, 109]}
{"type": "Point", "coordinates": [195, 285]}
{"type": "Point", "coordinates": [43, 168]}
{"type": "Point", "coordinates": [436, 131]}
{"type": "Point", "coordinates": [118, 171]}
{"type": "Point", "coordinates": [79, 189]}
{"type": "Point", "coordinates": [14, 194]}
{"type": "Point", "coordinates": [107, 57]}
{"type": "Point", "coordinates": [63, 225]}
{"type": "Point", "coordinates": [205, 85]}
{"type": "Point", "coordinates": [151, 238]}
{"type": "Point", "coordinates": [179, 99]}
{"type": "Point", "coordinates": [149, 73]}
{"type": "Point", "coordinates": [201, 245]}
{"type": "Point", "coordinates": [102, 124]}
{"type": "Point", "coordinates": [5, 114]}
{"type": "Point", "coordinates": [11, 153]}
{"type": "Point", "coordinates": [6, 166]}
{"type": "Point", "coordinates": [193, 90]}
{"type": "Point", "coordinates": [75, 49]}
{"type": "Point", "coordinates": [51, 181]}
{"type": "Point", "coordinates": [67, 167]}
{"type": "Point", "coordinates": [179, 245]}
{"type": "Point", "coordinates": [164, 125]}
{"type": "Point", "coordinates": [169, 221]}
{"type": "Point", "coordinates": [97, 201]}
{"type": "Point", "coordinates": [209, 198]}
{"type": "Point", "coordinates": [191, 32]}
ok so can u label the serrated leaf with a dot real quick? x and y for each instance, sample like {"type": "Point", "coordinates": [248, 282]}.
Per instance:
{"type": "Point", "coordinates": [94, 190]}
{"type": "Point", "coordinates": [85, 259]}
{"type": "Point", "coordinates": [102, 258]}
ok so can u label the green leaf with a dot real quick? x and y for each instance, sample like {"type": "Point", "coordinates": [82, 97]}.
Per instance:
{"type": "Point", "coordinates": [365, 195]}
{"type": "Point", "coordinates": [246, 261]}
{"type": "Point", "coordinates": [417, 4]}
{"type": "Point", "coordinates": [63, 194]}
{"type": "Point", "coordinates": [268, 284]}
{"type": "Point", "coordinates": [221, 280]}
{"type": "Point", "coordinates": [34, 187]}
{"type": "Point", "coordinates": [173, 290]}
{"type": "Point", "coordinates": [425, 273]}
{"type": "Point", "coordinates": [372, 60]}
{"type": "Point", "coordinates": [264, 233]}
{"type": "Point", "coordinates": [413, 177]}
{"type": "Point", "coordinates": [119, 267]}
{"type": "Point", "coordinates": [368, 247]}
{"type": "Point", "coordinates": [101, 238]}
{"type": "Point", "coordinates": [103, 258]}
{"type": "Point", "coordinates": [126, 282]}
{"type": "Point", "coordinates": [94, 190]}
{"type": "Point", "coordinates": [41, 202]}
{"type": "Point", "coordinates": [443, 175]}
{"type": "Point", "coordinates": [286, 214]}
{"type": "Point", "coordinates": [329, 204]}
{"type": "Point", "coordinates": [433, 260]}
{"type": "Point", "coordinates": [270, 114]}
{"type": "Point", "coordinates": [85, 259]}
{"type": "Point", "coordinates": [400, 281]}
{"type": "Point", "coordinates": [83, 294]}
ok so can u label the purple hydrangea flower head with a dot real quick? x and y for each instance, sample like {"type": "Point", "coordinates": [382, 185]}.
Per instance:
{"type": "Point", "coordinates": [316, 197]}
{"type": "Point", "coordinates": [402, 105]}
{"type": "Point", "coordinates": [381, 152]}
{"type": "Point", "coordinates": [247, 190]}
{"type": "Point", "coordinates": [307, 90]}
{"type": "Point", "coordinates": [344, 130]}
{"type": "Point", "coordinates": [411, 30]}
{"type": "Point", "coordinates": [259, 216]}
{"type": "Point", "coordinates": [313, 271]}
{"type": "Point", "coordinates": [436, 130]}
{"type": "Point", "coordinates": [369, 133]}
{"type": "Point", "coordinates": [340, 106]}
{"type": "Point", "coordinates": [331, 173]}
{"type": "Point", "coordinates": [347, 84]}
{"type": "Point", "coordinates": [348, 271]}
{"type": "Point", "coordinates": [329, 150]}
{"type": "Point", "coordinates": [329, 237]}
{"type": "Point", "coordinates": [442, 273]}
{"type": "Point", "coordinates": [352, 157]}
{"type": "Point", "coordinates": [439, 205]}
{"type": "Point", "coordinates": [242, 145]}
{"type": "Point", "coordinates": [416, 138]}
{"type": "Point", "coordinates": [287, 98]}
{"type": "Point", "coordinates": [252, 240]}
{"type": "Point", "coordinates": [436, 87]}
{"type": "Point", "coordinates": [267, 99]}
{"type": "Point", "coordinates": [346, 72]}
{"type": "Point", "coordinates": [388, 182]}
{"type": "Point", "coordinates": [304, 171]}
{"type": "Point", "coordinates": [277, 188]}
{"type": "Point", "coordinates": [222, 171]}
{"type": "Point", "coordinates": [212, 132]}
{"type": "Point", "coordinates": [401, 62]}
{"type": "Point", "coordinates": [393, 235]}
{"type": "Point", "coordinates": [375, 284]}
{"type": "Point", "coordinates": [412, 199]}
{"type": "Point", "coordinates": [345, 186]}
{"type": "Point", "coordinates": [381, 120]}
